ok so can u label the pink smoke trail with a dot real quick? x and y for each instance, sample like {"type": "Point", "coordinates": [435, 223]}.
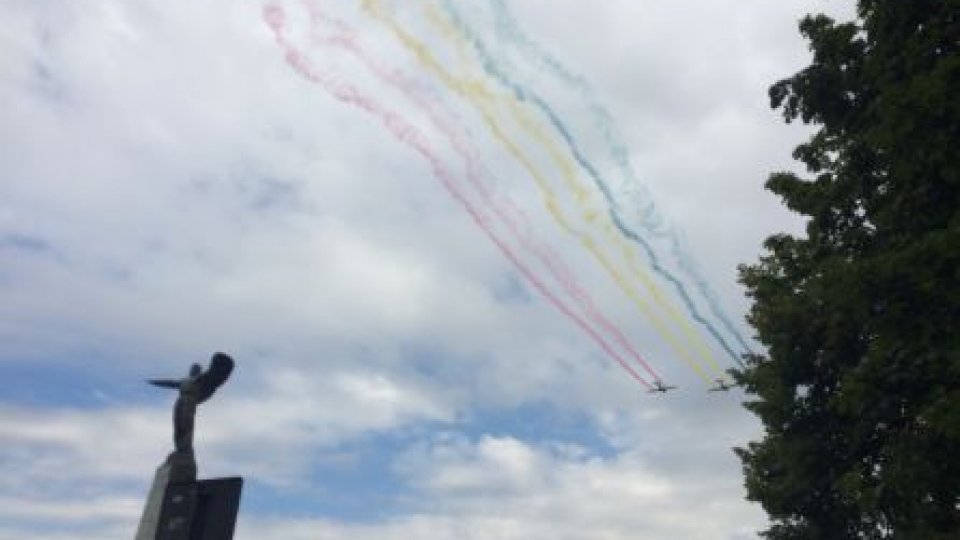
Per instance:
{"type": "Point", "coordinates": [505, 210]}
{"type": "Point", "coordinates": [407, 133]}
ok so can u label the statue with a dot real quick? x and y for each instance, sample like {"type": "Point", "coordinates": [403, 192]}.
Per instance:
{"type": "Point", "coordinates": [196, 388]}
{"type": "Point", "coordinates": [179, 506]}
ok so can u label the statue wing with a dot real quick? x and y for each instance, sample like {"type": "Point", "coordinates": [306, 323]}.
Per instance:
{"type": "Point", "coordinates": [219, 371]}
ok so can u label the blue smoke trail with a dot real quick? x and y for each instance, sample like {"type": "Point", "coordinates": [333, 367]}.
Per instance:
{"type": "Point", "coordinates": [650, 220]}
{"type": "Point", "coordinates": [490, 66]}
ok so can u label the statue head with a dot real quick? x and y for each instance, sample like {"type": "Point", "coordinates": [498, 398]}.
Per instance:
{"type": "Point", "coordinates": [196, 369]}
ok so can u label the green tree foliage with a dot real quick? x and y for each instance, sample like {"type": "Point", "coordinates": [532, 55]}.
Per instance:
{"type": "Point", "coordinates": [859, 390]}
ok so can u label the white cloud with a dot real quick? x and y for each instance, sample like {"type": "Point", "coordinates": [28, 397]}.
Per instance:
{"type": "Point", "coordinates": [292, 415]}
{"type": "Point", "coordinates": [505, 488]}
{"type": "Point", "coordinates": [186, 191]}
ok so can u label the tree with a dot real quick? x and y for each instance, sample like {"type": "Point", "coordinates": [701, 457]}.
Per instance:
{"type": "Point", "coordinates": [859, 388]}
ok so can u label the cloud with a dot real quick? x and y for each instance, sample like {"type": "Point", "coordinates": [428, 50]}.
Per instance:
{"type": "Point", "coordinates": [91, 468]}
{"type": "Point", "coordinates": [504, 488]}
{"type": "Point", "coordinates": [170, 187]}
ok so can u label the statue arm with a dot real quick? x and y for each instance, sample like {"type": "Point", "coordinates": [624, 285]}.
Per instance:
{"type": "Point", "coordinates": [165, 383]}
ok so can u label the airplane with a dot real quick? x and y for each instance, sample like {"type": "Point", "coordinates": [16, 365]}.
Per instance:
{"type": "Point", "coordinates": [722, 386]}
{"type": "Point", "coordinates": [658, 386]}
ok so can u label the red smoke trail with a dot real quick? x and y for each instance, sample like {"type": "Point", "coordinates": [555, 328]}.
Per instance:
{"type": "Point", "coordinates": [409, 134]}
{"type": "Point", "coordinates": [505, 210]}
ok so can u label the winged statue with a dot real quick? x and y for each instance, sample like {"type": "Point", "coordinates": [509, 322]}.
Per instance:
{"type": "Point", "coordinates": [194, 389]}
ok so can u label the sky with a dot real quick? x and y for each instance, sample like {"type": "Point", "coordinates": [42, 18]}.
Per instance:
{"type": "Point", "coordinates": [451, 246]}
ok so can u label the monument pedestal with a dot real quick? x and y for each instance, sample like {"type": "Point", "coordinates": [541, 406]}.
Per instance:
{"type": "Point", "coordinates": [180, 508]}
{"type": "Point", "coordinates": [150, 520]}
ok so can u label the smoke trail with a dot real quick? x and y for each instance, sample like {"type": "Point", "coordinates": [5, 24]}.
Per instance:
{"type": "Point", "coordinates": [408, 134]}
{"type": "Point", "coordinates": [505, 210]}
{"type": "Point", "coordinates": [491, 67]}
{"type": "Point", "coordinates": [478, 95]}
{"type": "Point", "coordinates": [581, 194]}
{"type": "Point", "coordinates": [650, 219]}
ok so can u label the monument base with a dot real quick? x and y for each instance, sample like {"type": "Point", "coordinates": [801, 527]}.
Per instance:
{"type": "Point", "coordinates": [150, 520]}
{"type": "Point", "coordinates": [216, 507]}
{"type": "Point", "coordinates": [190, 510]}
{"type": "Point", "coordinates": [183, 467]}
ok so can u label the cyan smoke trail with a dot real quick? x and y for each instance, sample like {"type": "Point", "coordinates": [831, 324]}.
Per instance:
{"type": "Point", "coordinates": [508, 213]}
{"type": "Point", "coordinates": [650, 219]}
{"type": "Point", "coordinates": [410, 135]}
{"type": "Point", "coordinates": [491, 67]}
{"type": "Point", "coordinates": [475, 93]}
{"type": "Point", "coordinates": [567, 165]}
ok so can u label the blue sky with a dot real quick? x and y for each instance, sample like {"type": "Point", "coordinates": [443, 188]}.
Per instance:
{"type": "Point", "coordinates": [173, 184]}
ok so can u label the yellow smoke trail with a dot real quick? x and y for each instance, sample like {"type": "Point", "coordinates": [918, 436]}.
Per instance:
{"type": "Point", "coordinates": [476, 92]}
{"type": "Point", "coordinates": [581, 194]}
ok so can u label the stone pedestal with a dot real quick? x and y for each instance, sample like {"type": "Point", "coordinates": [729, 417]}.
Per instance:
{"type": "Point", "coordinates": [150, 521]}
{"type": "Point", "coordinates": [177, 514]}
{"type": "Point", "coordinates": [183, 467]}
{"type": "Point", "coordinates": [179, 508]}
{"type": "Point", "coordinates": [217, 504]}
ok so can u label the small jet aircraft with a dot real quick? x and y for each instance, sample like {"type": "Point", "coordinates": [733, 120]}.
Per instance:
{"type": "Point", "coordinates": [722, 386]}
{"type": "Point", "coordinates": [658, 386]}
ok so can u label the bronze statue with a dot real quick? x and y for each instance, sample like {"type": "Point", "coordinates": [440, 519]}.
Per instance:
{"type": "Point", "coordinates": [196, 388]}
